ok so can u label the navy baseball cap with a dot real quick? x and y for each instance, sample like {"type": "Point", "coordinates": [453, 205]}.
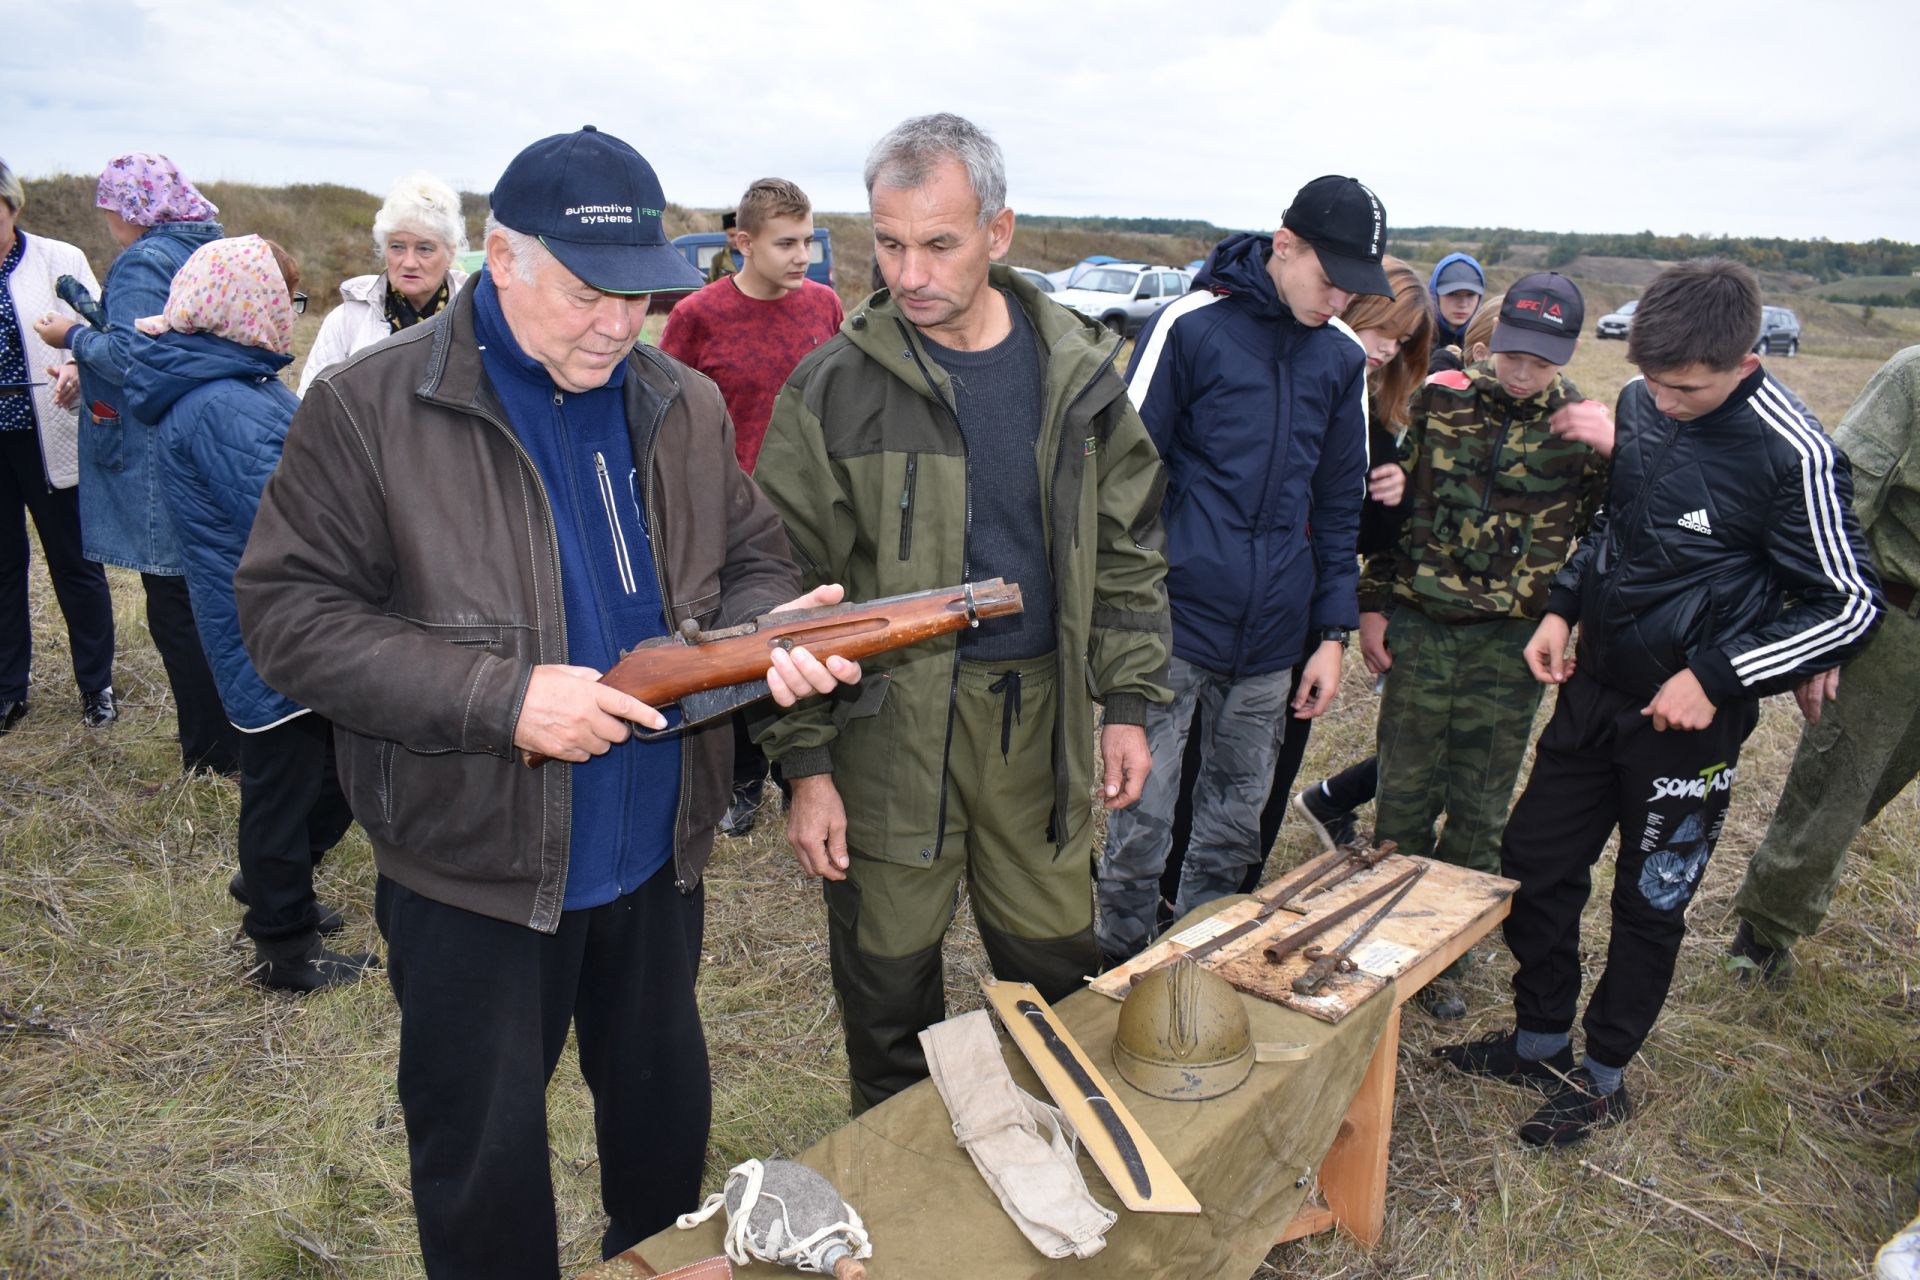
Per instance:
{"type": "Point", "coordinates": [1347, 226]}
{"type": "Point", "coordinates": [1540, 316]}
{"type": "Point", "coordinates": [595, 203]}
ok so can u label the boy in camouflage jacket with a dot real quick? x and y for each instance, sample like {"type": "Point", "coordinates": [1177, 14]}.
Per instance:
{"type": "Point", "coordinates": [1500, 485]}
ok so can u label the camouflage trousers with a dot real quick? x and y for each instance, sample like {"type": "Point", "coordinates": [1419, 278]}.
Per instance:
{"type": "Point", "coordinates": [1455, 718]}
{"type": "Point", "coordinates": [1241, 723]}
{"type": "Point", "coordinates": [1863, 752]}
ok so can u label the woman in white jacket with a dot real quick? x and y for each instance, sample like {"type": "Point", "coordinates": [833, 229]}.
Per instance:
{"type": "Point", "coordinates": [39, 469]}
{"type": "Point", "coordinates": [419, 231]}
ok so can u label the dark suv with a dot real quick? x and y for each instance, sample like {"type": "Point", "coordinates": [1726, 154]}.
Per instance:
{"type": "Point", "coordinates": [1779, 332]}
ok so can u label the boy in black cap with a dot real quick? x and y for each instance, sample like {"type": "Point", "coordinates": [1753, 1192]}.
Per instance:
{"type": "Point", "coordinates": [1726, 565]}
{"type": "Point", "coordinates": [1258, 408]}
{"type": "Point", "coordinates": [1496, 498]}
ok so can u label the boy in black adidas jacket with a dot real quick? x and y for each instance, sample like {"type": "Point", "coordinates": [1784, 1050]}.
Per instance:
{"type": "Point", "coordinates": [1727, 565]}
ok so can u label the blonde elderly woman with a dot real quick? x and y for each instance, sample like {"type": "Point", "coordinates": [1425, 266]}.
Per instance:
{"type": "Point", "coordinates": [419, 231]}
{"type": "Point", "coordinates": [39, 468]}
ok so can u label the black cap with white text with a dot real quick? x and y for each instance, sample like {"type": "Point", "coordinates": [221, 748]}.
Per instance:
{"type": "Point", "coordinates": [1540, 316]}
{"type": "Point", "coordinates": [1347, 227]}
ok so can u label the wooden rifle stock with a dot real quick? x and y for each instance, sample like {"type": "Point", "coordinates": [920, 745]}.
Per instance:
{"type": "Point", "coordinates": [666, 669]}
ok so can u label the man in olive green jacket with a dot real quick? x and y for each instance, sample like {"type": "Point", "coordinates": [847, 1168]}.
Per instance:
{"type": "Point", "coordinates": [961, 427]}
{"type": "Point", "coordinates": [1863, 751]}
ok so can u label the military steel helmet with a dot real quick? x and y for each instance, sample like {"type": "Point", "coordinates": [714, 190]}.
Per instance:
{"type": "Point", "coordinates": [1183, 1034]}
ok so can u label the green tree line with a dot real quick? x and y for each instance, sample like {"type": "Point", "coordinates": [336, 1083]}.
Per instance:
{"type": "Point", "coordinates": [1826, 260]}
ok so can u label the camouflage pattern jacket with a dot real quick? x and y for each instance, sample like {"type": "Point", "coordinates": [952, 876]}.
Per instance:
{"type": "Point", "coordinates": [1494, 502]}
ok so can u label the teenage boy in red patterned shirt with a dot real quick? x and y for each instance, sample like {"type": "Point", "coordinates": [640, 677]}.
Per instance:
{"type": "Point", "coordinates": [747, 331]}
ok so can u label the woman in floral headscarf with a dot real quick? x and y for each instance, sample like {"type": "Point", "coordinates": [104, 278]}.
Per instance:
{"type": "Point", "coordinates": [210, 379]}
{"type": "Point", "coordinates": [159, 220]}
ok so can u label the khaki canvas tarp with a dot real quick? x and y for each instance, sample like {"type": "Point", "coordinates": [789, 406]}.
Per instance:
{"type": "Point", "coordinates": [1243, 1155]}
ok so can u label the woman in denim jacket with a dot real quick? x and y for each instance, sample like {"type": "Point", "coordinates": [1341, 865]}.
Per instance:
{"type": "Point", "coordinates": [159, 219]}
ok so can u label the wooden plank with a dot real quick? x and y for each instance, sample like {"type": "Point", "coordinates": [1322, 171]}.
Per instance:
{"type": "Point", "coordinates": [1354, 1174]}
{"type": "Point", "coordinates": [1436, 961]}
{"type": "Point", "coordinates": [1310, 1221]}
{"type": "Point", "coordinates": [1444, 914]}
{"type": "Point", "coordinates": [1167, 1193]}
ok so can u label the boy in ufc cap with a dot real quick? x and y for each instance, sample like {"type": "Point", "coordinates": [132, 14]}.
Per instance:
{"type": "Point", "coordinates": [1726, 565]}
{"type": "Point", "coordinates": [467, 526]}
{"type": "Point", "coordinates": [1258, 406]}
{"type": "Point", "coordinates": [1495, 501]}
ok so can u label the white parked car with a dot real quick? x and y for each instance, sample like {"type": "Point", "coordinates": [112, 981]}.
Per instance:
{"type": "Point", "coordinates": [1123, 296]}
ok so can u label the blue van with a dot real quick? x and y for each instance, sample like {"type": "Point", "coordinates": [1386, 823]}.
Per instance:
{"type": "Point", "coordinates": [700, 246]}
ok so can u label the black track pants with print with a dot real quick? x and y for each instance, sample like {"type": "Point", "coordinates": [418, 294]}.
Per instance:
{"type": "Point", "coordinates": [1600, 764]}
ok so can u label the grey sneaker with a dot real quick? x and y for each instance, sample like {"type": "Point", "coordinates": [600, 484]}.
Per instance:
{"type": "Point", "coordinates": [741, 815]}
{"type": "Point", "coordinates": [98, 710]}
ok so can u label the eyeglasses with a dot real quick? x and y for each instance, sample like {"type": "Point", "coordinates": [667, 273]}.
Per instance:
{"type": "Point", "coordinates": [299, 304]}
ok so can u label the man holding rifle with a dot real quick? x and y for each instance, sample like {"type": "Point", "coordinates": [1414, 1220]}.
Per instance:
{"type": "Point", "coordinates": [961, 426]}
{"type": "Point", "coordinates": [468, 525]}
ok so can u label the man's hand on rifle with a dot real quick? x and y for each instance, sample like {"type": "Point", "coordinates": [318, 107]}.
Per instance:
{"type": "Point", "coordinates": [795, 673]}
{"type": "Point", "coordinates": [569, 715]}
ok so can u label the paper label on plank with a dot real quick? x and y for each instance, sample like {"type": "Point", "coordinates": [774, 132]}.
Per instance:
{"type": "Point", "coordinates": [1207, 930]}
{"type": "Point", "coordinates": [1382, 958]}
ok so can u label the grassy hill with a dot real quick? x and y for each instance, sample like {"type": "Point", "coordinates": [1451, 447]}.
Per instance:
{"type": "Point", "coordinates": [159, 1117]}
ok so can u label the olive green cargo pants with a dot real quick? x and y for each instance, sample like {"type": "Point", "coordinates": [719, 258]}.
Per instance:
{"type": "Point", "coordinates": [1032, 899]}
{"type": "Point", "coordinates": [1863, 752]}
{"type": "Point", "coordinates": [1454, 723]}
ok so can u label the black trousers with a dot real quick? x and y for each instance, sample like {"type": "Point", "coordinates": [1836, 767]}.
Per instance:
{"type": "Point", "coordinates": [291, 813]}
{"type": "Point", "coordinates": [1348, 789]}
{"type": "Point", "coordinates": [79, 584]}
{"type": "Point", "coordinates": [1600, 764]}
{"type": "Point", "coordinates": [1286, 766]}
{"type": "Point", "coordinates": [207, 740]}
{"type": "Point", "coordinates": [484, 1010]}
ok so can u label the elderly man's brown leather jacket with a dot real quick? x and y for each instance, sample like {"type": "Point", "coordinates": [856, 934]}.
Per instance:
{"type": "Point", "coordinates": [403, 580]}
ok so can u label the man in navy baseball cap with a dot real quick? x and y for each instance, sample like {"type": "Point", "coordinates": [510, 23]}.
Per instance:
{"type": "Point", "coordinates": [524, 470]}
{"type": "Point", "coordinates": [595, 203]}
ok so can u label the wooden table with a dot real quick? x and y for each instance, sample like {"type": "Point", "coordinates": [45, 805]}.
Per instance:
{"type": "Point", "coordinates": [1449, 910]}
{"type": "Point", "coordinates": [1353, 1176]}
{"type": "Point", "coordinates": [1445, 914]}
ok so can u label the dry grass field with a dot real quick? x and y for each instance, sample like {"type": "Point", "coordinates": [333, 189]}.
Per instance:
{"type": "Point", "coordinates": [161, 1118]}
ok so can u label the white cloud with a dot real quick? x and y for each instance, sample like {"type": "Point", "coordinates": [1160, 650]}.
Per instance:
{"type": "Point", "coordinates": [1602, 115]}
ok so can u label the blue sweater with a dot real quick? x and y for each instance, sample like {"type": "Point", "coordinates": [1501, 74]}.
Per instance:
{"type": "Point", "coordinates": [624, 801]}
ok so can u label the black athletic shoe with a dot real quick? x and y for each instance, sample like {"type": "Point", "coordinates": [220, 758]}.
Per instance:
{"type": "Point", "coordinates": [326, 919]}
{"type": "Point", "coordinates": [98, 710]}
{"type": "Point", "coordinates": [1573, 1111]}
{"type": "Point", "coordinates": [1752, 962]}
{"type": "Point", "coordinates": [1335, 827]}
{"type": "Point", "coordinates": [307, 966]}
{"type": "Point", "coordinates": [1495, 1057]}
{"type": "Point", "coordinates": [11, 714]}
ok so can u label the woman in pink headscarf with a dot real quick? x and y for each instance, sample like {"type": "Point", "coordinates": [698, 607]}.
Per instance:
{"type": "Point", "coordinates": [159, 219]}
{"type": "Point", "coordinates": [209, 377]}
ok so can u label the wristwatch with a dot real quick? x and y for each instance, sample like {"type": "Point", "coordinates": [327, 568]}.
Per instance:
{"type": "Point", "coordinates": [1336, 634]}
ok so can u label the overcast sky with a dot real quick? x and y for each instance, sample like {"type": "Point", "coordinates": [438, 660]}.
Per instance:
{"type": "Point", "coordinates": [1755, 118]}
